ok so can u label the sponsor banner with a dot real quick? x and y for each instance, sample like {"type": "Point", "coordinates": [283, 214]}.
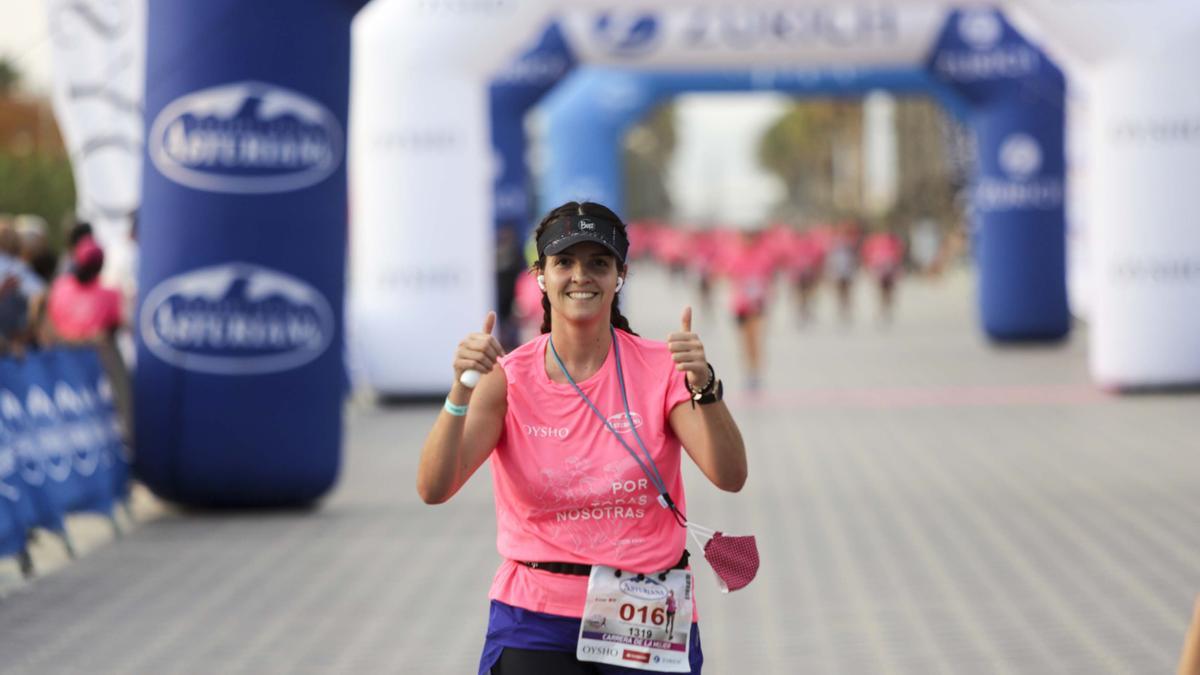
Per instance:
{"type": "Point", "coordinates": [242, 275]}
{"type": "Point", "coordinates": [1022, 181]}
{"type": "Point", "coordinates": [246, 138]}
{"type": "Point", "coordinates": [236, 319]}
{"type": "Point", "coordinates": [978, 45]}
{"type": "Point", "coordinates": [52, 444]}
{"type": "Point", "coordinates": [730, 34]}
{"type": "Point", "coordinates": [1017, 204]}
{"type": "Point", "coordinates": [1020, 157]}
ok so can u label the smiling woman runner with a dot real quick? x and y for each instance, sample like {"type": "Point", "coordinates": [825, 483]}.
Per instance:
{"type": "Point", "coordinates": [584, 426]}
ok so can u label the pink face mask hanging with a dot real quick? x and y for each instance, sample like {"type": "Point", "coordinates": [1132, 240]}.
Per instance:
{"type": "Point", "coordinates": [733, 559]}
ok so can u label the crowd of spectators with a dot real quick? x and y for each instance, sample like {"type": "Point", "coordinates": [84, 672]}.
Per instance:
{"type": "Point", "coordinates": [49, 297]}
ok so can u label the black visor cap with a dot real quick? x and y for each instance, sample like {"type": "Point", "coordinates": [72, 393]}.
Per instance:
{"type": "Point", "coordinates": [570, 230]}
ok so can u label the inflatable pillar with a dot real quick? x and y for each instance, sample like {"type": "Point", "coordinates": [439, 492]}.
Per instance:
{"type": "Point", "coordinates": [240, 379]}
{"type": "Point", "coordinates": [422, 169]}
{"type": "Point", "coordinates": [1017, 99]}
{"type": "Point", "coordinates": [1135, 62]}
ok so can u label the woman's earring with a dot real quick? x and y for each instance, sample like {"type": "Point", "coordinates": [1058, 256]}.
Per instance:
{"type": "Point", "coordinates": [620, 283]}
{"type": "Point", "coordinates": [542, 282]}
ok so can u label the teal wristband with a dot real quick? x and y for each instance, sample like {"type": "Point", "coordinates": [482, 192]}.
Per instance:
{"type": "Point", "coordinates": [456, 410]}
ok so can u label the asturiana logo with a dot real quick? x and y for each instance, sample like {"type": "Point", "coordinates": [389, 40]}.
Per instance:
{"type": "Point", "coordinates": [246, 138]}
{"type": "Point", "coordinates": [622, 424]}
{"type": "Point", "coordinates": [644, 590]}
{"type": "Point", "coordinates": [236, 319]}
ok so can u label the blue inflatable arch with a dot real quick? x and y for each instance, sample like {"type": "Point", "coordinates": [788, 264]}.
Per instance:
{"type": "Point", "coordinates": [986, 74]}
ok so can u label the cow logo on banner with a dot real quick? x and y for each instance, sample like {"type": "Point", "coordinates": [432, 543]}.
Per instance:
{"type": "Point", "coordinates": [246, 138]}
{"type": "Point", "coordinates": [627, 34]}
{"type": "Point", "coordinates": [236, 319]}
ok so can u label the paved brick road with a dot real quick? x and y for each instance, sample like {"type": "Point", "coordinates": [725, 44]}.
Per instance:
{"type": "Point", "coordinates": [924, 503]}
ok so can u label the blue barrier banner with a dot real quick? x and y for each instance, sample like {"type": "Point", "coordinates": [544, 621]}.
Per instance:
{"type": "Point", "coordinates": [67, 488]}
{"type": "Point", "coordinates": [45, 508]}
{"type": "Point", "coordinates": [17, 514]}
{"type": "Point", "coordinates": [98, 390]}
{"type": "Point", "coordinates": [75, 396]}
{"type": "Point", "coordinates": [240, 378]}
{"type": "Point", "coordinates": [59, 448]}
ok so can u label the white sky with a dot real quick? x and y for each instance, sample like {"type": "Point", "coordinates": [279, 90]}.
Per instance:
{"type": "Point", "coordinates": [716, 177]}
{"type": "Point", "coordinates": [25, 42]}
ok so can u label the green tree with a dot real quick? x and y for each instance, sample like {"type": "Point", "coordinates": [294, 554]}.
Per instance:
{"type": "Point", "coordinates": [647, 152]}
{"type": "Point", "coordinates": [38, 184]}
{"type": "Point", "coordinates": [10, 77]}
{"type": "Point", "coordinates": [800, 148]}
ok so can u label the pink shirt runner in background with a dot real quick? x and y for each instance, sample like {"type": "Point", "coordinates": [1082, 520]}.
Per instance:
{"type": "Point", "coordinates": [82, 311]}
{"type": "Point", "coordinates": [565, 489]}
{"type": "Point", "coordinates": [750, 267]}
{"type": "Point", "coordinates": [883, 253]}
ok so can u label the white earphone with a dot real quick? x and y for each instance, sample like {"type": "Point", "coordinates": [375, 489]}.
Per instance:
{"type": "Point", "coordinates": [620, 283]}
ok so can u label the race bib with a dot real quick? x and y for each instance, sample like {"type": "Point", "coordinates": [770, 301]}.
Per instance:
{"type": "Point", "coordinates": [637, 621]}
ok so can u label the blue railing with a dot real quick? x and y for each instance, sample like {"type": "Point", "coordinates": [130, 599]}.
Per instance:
{"type": "Point", "coordinates": [61, 450]}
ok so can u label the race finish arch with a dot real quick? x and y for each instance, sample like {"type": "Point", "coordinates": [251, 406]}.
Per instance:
{"type": "Point", "coordinates": [240, 376]}
{"type": "Point", "coordinates": [1014, 106]}
{"type": "Point", "coordinates": [1012, 92]}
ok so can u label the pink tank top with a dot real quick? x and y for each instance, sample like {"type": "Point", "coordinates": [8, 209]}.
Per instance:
{"type": "Point", "coordinates": [565, 489]}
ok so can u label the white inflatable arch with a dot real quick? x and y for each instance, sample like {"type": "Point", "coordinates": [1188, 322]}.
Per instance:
{"type": "Point", "coordinates": [421, 165]}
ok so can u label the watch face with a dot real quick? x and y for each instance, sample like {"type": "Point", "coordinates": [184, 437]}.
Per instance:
{"type": "Point", "coordinates": [713, 396]}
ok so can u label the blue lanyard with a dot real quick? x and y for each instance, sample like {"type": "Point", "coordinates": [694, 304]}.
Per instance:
{"type": "Point", "coordinates": [651, 471]}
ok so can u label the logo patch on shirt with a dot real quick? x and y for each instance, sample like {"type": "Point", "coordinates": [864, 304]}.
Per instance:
{"type": "Point", "coordinates": [621, 423]}
{"type": "Point", "coordinates": [543, 431]}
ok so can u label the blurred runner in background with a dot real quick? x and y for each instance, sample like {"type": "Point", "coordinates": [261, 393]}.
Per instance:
{"type": "Point", "coordinates": [883, 256]}
{"type": "Point", "coordinates": [750, 264]}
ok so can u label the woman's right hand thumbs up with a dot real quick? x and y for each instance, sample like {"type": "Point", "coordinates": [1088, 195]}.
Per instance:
{"type": "Point", "coordinates": [477, 354]}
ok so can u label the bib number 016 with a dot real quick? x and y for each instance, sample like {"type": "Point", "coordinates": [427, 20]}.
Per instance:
{"type": "Point", "coordinates": [637, 621]}
{"type": "Point", "coordinates": [628, 612]}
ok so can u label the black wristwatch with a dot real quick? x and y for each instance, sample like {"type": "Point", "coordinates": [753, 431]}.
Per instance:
{"type": "Point", "coordinates": [717, 393]}
{"type": "Point", "coordinates": [711, 392]}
